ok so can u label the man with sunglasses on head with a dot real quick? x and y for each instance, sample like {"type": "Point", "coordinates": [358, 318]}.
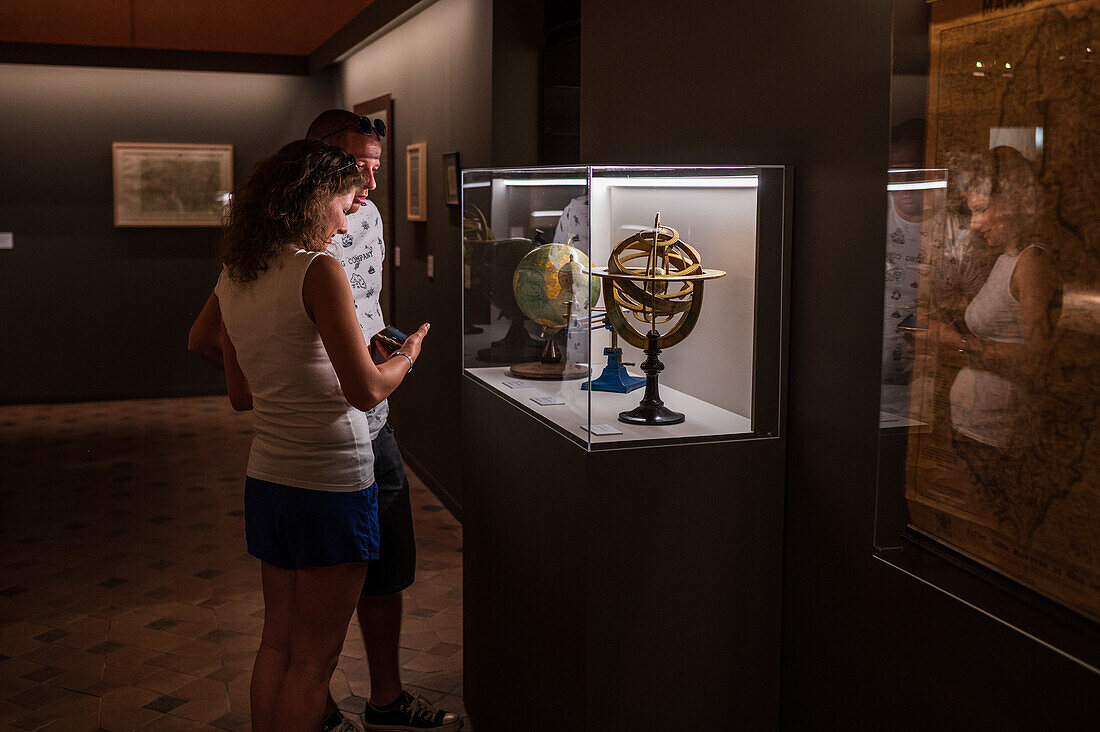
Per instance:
{"type": "Point", "coordinates": [361, 252]}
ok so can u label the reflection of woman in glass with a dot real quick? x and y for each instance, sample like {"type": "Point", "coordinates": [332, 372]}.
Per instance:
{"type": "Point", "coordinates": [996, 405]}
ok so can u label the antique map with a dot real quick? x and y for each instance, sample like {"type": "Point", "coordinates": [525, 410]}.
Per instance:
{"type": "Point", "coordinates": [1024, 73]}
{"type": "Point", "coordinates": [171, 184]}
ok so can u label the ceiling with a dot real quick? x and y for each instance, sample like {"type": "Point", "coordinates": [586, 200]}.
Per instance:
{"type": "Point", "coordinates": [270, 27]}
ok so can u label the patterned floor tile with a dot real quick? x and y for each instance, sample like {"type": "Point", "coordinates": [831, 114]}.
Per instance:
{"type": "Point", "coordinates": [165, 704]}
{"type": "Point", "coordinates": [141, 609]}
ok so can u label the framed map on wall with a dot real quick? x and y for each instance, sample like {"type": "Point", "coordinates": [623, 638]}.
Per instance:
{"type": "Point", "coordinates": [170, 185]}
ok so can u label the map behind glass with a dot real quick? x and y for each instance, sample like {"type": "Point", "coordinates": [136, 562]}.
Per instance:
{"type": "Point", "coordinates": [1034, 515]}
{"type": "Point", "coordinates": [171, 185]}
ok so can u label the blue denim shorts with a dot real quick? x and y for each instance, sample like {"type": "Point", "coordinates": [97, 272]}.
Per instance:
{"type": "Point", "coordinates": [295, 528]}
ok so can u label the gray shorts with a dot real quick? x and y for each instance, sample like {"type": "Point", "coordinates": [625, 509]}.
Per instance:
{"type": "Point", "coordinates": [395, 567]}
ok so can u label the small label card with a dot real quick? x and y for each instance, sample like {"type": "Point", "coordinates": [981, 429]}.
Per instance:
{"type": "Point", "coordinates": [602, 429]}
{"type": "Point", "coordinates": [547, 401]}
{"type": "Point", "coordinates": [516, 384]}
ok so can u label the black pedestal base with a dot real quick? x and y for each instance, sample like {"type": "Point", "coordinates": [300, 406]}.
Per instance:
{"type": "Point", "coordinates": [651, 414]}
{"type": "Point", "coordinates": [651, 410]}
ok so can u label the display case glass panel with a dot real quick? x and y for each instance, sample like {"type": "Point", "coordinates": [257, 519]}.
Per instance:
{"type": "Point", "coordinates": [989, 460]}
{"type": "Point", "coordinates": [572, 276]}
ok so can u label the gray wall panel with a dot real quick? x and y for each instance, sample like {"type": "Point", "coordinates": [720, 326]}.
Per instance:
{"type": "Point", "coordinates": [95, 312]}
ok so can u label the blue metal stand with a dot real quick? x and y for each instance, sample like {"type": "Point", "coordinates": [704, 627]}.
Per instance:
{"type": "Point", "coordinates": [615, 377]}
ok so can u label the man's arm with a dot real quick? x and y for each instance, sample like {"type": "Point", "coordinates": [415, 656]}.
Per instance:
{"type": "Point", "coordinates": [204, 339]}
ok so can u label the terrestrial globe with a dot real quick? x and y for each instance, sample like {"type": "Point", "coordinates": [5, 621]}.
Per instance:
{"type": "Point", "coordinates": [551, 283]}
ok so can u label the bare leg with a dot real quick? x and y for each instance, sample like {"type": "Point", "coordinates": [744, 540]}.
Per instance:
{"type": "Point", "coordinates": [274, 653]}
{"type": "Point", "coordinates": [380, 621]}
{"type": "Point", "coordinates": [324, 598]}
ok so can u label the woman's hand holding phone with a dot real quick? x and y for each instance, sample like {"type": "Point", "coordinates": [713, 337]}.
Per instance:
{"type": "Point", "coordinates": [412, 344]}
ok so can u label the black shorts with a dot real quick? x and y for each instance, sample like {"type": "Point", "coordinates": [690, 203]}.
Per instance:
{"type": "Point", "coordinates": [395, 567]}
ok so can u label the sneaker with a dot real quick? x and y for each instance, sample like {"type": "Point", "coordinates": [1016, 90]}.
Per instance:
{"type": "Point", "coordinates": [409, 714]}
{"type": "Point", "coordinates": [337, 722]}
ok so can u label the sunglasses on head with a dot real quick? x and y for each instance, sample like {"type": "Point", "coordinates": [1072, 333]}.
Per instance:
{"type": "Point", "coordinates": [365, 125]}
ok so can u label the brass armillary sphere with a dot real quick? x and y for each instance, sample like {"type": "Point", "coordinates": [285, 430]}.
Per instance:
{"type": "Point", "coordinates": [656, 279]}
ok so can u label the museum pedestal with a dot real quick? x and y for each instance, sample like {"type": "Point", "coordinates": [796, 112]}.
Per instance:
{"type": "Point", "coordinates": [620, 589]}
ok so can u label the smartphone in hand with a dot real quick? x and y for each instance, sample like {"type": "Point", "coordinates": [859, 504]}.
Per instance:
{"type": "Point", "coordinates": [385, 342]}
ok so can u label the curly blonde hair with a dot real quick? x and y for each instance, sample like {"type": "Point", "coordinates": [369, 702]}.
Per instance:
{"type": "Point", "coordinates": [282, 206]}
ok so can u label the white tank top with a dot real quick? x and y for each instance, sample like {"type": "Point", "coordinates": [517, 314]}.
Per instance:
{"type": "Point", "coordinates": [307, 435]}
{"type": "Point", "coordinates": [985, 406]}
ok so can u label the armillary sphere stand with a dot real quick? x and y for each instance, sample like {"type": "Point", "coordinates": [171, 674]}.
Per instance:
{"type": "Point", "coordinates": [651, 410]}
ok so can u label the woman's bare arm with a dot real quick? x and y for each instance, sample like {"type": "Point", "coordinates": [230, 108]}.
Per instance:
{"type": "Point", "coordinates": [328, 301]}
{"type": "Point", "coordinates": [204, 338]}
{"type": "Point", "coordinates": [240, 392]}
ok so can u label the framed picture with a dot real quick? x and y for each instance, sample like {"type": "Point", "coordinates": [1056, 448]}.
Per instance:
{"type": "Point", "coordinates": [451, 173]}
{"type": "Point", "coordinates": [170, 185]}
{"type": "Point", "coordinates": [383, 198]}
{"type": "Point", "coordinates": [416, 181]}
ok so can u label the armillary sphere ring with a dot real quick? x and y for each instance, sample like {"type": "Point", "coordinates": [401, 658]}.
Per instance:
{"type": "Point", "coordinates": [643, 291]}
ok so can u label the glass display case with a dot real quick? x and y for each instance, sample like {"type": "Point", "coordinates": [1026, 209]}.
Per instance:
{"type": "Point", "coordinates": [989, 465]}
{"type": "Point", "coordinates": [629, 305]}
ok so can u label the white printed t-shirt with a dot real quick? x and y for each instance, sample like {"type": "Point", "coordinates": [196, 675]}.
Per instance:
{"type": "Point", "coordinates": [361, 252]}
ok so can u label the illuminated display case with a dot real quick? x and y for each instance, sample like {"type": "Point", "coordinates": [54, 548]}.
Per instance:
{"type": "Point", "coordinates": [625, 306]}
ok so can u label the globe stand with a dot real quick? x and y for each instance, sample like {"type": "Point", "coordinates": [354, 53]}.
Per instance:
{"type": "Point", "coordinates": [549, 367]}
{"type": "Point", "coordinates": [651, 410]}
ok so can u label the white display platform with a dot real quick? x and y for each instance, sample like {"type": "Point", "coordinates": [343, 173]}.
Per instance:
{"type": "Point", "coordinates": [702, 419]}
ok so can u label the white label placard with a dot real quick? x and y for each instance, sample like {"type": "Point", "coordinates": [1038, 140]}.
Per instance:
{"type": "Point", "coordinates": [7, 240]}
{"type": "Point", "coordinates": [516, 384]}
{"type": "Point", "coordinates": [602, 429]}
{"type": "Point", "coordinates": [547, 401]}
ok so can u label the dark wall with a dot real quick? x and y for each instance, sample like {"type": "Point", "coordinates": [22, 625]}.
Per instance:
{"type": "Point", "coordinates": [95, 312]}
{"type": "Point", "coordinates": [517, 52]}
{"type": "Point", "coordinates": [808, 84]}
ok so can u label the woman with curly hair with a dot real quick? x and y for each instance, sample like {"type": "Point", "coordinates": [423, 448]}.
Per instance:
{"type": "Point", "coordinates": [295, 355]}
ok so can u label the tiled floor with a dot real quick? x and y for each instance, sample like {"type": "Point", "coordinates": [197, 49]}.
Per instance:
{"type": "Point", "coordinates": [127, 600]}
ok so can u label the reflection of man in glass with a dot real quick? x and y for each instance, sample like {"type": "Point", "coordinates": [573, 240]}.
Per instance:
{"type": "Point", "coordinates": [573, 228]}
{"type": "Point", "coordinates": [574, 223]}
{"type": "Point", "coordinates": [905, 225]}
{"type": "Point", "coordinates": [996, 401]}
